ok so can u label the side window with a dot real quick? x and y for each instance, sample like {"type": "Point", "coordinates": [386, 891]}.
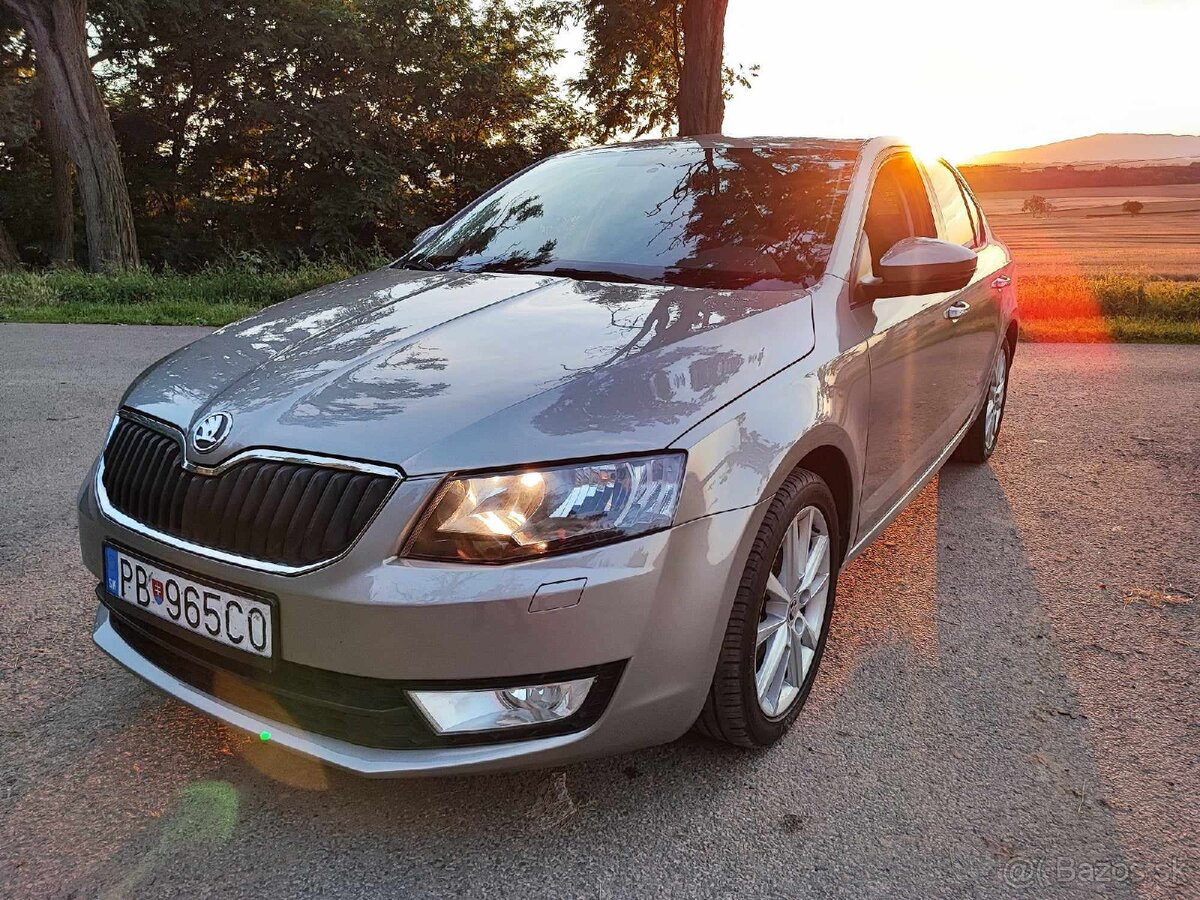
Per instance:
{"type": "Point", "coordinates": [898, 209]}
{"type": "Point", "coordinates": [956, 218]}
{"type": "Point", "coordinates": [976, 212]}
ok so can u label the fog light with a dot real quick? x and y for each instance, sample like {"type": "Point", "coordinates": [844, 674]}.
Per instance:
{"type": "Point", "coordinates": [455, 712]}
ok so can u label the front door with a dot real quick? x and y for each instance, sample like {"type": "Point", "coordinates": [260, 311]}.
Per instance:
{"type": "Point", "coordinates": [915, 378]}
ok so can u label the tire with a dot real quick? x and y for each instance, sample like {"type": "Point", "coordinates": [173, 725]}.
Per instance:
{"type": "Point", "coordinates": [977, 444]}
{"type": "Point", "coordinates": [733, 711]}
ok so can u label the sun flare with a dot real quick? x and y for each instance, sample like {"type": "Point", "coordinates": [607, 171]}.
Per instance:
{"type": "Point", "coordinates": [961, 79]}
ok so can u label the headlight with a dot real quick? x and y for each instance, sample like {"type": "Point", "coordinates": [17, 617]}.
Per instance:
{"type": "Point", "coordinates": [532, 512]}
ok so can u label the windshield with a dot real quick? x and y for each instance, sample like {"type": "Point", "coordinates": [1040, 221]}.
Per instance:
{"type": "Point", "coordinates": [759, 217]}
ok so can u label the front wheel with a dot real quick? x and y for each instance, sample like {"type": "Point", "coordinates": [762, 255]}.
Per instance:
{"type": "Point", "coordinates": [780, 618]}
{"type": "Point", "coordinates": [980, 440]}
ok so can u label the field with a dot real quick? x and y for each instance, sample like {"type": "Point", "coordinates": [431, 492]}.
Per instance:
{"type": "Point", "coordinates": [1088, 234]}
{"type": "Point", "coordinates": [1090, 272]}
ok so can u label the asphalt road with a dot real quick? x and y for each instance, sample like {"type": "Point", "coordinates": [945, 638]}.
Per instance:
{"type": "Point", "coordinates": [1008, 706]}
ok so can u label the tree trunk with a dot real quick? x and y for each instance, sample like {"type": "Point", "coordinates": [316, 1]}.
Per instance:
{"type": "Point", "coordinates": [57, 30]}
{"type": "Point", "coordinates": [9, 257]}
{"type": "Point", "coordinates": [62, 179]}
{"type": "Point", "coordinates": [701, 103]}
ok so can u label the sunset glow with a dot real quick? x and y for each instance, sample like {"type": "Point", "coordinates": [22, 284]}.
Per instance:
{"type": "Point", "coordinates": [963, 78]}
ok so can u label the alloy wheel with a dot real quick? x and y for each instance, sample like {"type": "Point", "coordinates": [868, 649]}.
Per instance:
{"type": "Point", "coordinates": [995, 399]}
{"type": "Point", "coordinates": [793, 613]}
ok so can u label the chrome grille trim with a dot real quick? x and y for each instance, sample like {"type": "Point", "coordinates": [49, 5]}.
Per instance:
{"type": "Point", "coordinates": [109, 510]}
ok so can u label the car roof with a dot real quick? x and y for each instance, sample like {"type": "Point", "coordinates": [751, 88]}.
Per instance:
{"type": "Point", "coordinates": [845, 148]}
{"type": "Point", "coordinates": [840, 146]}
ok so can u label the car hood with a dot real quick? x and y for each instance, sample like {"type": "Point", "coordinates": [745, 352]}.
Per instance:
{"type": "Point", "coordinates": [436, 372]}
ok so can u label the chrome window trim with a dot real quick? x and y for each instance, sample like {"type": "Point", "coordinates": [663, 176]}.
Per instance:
{"type": "Point", "coordinates": [260, 565]}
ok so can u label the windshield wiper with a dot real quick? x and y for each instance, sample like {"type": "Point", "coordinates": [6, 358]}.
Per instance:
{"type": "Point", "coordinates": [579, 274]}
{"type": "Point", "coordinates": [595, 275]}
{"type": "Point", "coordinates": [417, 264]}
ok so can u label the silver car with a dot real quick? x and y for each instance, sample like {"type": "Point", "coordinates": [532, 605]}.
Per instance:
{"type": "Point", "coordinates": [575, 475]}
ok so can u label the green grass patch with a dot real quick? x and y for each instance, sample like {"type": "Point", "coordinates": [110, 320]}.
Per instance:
{"type": "Point", "coordinates": [1119, 308]}
{"type": "Point", "coordinates": [1111, 296]}
{"type": "Point", "coordinates": [166, 313]}
{"type": "Point", "coordinates": [213, 296]}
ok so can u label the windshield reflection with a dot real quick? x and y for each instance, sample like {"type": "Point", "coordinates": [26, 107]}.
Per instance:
{"type": "Point", "coordinates": [730, 217]}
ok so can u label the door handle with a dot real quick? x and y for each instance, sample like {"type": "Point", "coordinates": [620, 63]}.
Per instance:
{"type": "Point", "coordinates": [956, 311]}
{"type": "Point", "coordinates": [1001, 281]}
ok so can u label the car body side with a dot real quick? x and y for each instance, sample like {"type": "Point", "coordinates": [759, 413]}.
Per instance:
{"type": "Point", "coordinates": [660, 601]}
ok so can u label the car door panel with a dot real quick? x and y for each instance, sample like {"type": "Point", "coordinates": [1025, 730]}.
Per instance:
{"type": "Point", "coordinates": [914, 373]}
{"type": "Point", "coordinates": [913, 383]}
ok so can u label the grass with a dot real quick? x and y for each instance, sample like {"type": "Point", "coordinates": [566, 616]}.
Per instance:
{"type": "Point", "coordinates": [1118, 330]}
{"type": "Point", "coordinates": [213, 296]}
{"type": "Point", "coordinates": [1123, 307]}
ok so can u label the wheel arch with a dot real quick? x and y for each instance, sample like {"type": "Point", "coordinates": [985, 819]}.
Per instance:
{"type": "Point", "coordinates": [829, 462]}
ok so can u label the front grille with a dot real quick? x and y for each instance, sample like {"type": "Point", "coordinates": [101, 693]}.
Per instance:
{"type": "Point", "coordinates": [288, 513]}
{"type": "Point", "coordinates": [370, 712]}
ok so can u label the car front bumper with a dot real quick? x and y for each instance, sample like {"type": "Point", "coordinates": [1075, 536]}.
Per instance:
{"type": "Point", "coordinates": [657, 605]}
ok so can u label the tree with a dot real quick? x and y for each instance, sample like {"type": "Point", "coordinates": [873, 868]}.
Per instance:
{"type": "Point", "coordinates": [1037, 205]}
{"type": "Point", "coordinates": [298, 127]}
{"type": "Point", "coordinates": [10, 257]}
{"type": "Point", "coordinates": [57, 30]}
{"type": "Point", "coordinates": [701, 105]}
{"type": "Point", "coordinates": [1133, 207]}
{"type": "Point", "coordinates": [651, 64]}
{"type": "Point", "coordinates": [62, 178]}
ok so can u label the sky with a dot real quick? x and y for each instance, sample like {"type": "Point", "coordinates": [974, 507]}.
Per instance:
{"type": "Point", "coordinates": [960, 78]}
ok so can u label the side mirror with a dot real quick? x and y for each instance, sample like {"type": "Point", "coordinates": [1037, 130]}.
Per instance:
{"type": "Point", "coordinates": [921, 266]}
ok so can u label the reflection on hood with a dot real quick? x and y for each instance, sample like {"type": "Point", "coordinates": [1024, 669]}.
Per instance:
{"type": "Point", "coordinates": [444, 370]}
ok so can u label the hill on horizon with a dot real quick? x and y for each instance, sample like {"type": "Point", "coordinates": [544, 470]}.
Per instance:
{"type": "Point", "coordinates": [1099, 148]}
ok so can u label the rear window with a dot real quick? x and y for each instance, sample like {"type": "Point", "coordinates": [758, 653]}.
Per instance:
{"type": "Point", "coordinates": [758, 217]}
{"type": "Point", "coordinates": [956, 218]}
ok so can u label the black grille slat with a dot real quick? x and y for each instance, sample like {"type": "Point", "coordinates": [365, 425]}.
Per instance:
{"type": "Point", "coordinates": [290, 513]}
{"type": "Point", "coordinates": [266, 510]}
{"type": "Point", "coordinates": [277, 528]}
{"type": "Point", "coordinates": [319, 520]}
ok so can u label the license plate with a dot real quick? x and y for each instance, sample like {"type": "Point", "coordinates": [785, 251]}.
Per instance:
{"type": "Point", "coordinates": [236, 621]}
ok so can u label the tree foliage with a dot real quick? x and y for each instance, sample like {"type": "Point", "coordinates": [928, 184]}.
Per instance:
{"type": "Point", "coordinates": [80, 128]}
{"type": "Point", "coordinates": [312, 126]}
{"type": "Point", "coordinates": [24, 170]}
{"type": "Point", "coordinates": [1038, 206]}
{"type": "Point", "coordinates": [1133, 207]}
{"type": "Point", "coordinates": [296, 128]}
{"type": "Point", "coordinates": [634, 63]}
{"type": "Point", "coordinates": [325, 123]}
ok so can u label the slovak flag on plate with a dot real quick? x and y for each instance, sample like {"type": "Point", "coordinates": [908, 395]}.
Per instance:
{"type": "Point", "coordinates": [112, 574]}
{"type": "Point", "coordinates": [156, 588]}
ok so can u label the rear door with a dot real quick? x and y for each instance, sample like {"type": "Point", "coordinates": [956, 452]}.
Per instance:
{"type": "Point", "coordinates": [977, 307]}
{"type": "Point", "coordinates": [915, 378]}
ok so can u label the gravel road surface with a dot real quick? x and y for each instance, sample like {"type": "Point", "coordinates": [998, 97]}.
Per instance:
{"type": "Point", "coordinates": [1009, 705]}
